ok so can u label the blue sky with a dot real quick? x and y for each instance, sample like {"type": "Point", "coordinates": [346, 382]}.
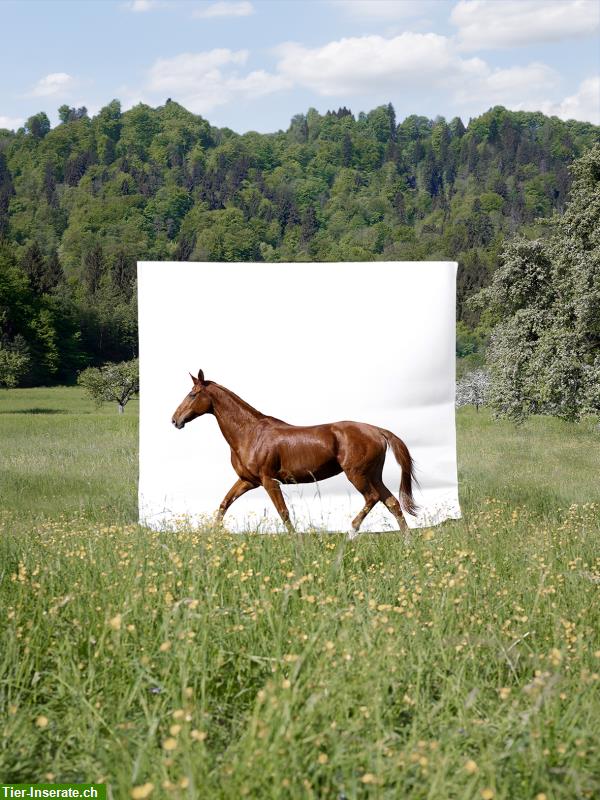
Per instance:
{"type": "Point", "coordinates": [253, 64]}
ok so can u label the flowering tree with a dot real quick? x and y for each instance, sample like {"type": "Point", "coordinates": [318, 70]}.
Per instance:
{"type": "Point", "coordinates": [544, 354]}
{"type": "Point", "coordinates": [472, 389]}
{"type": "Point", "coordinates": [14, 361]}
{"type": "Point", "coordinates": [115, 383]}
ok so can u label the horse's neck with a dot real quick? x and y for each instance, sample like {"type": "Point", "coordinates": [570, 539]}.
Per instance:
{"type": "Point", "coordinates": [236, 417]}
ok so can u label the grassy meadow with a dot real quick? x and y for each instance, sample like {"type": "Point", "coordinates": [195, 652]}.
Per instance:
{"type": "Point", "coordinates": [463, 663]}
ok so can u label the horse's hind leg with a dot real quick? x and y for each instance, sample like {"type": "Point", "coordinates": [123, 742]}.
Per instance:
{"type": "Point", "coordinates": [368, 491]}
{"type": "Point", "coordinates": [391, 503]}
{"type": "Point", "coordinates": [274, 492]}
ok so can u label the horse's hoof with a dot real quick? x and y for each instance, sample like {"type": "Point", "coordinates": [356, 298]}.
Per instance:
{"type": "Point", "coordinates": [351, 534]}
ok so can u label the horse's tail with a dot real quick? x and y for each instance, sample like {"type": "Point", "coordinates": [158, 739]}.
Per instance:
{"type": "Point", "coordinates": [404, 458]}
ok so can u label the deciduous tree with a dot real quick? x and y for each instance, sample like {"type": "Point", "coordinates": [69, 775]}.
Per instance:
{"type": "Point", "coordinates": [111, 383]}
{"type": "Point", "coordinates": [544, 355]}
{"type": "Point", "coordinates": [472, 389]}
{"type": "Point", "coordinates": [14, 361]}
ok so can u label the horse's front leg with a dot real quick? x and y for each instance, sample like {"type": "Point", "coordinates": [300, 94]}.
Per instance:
{"type": "Point", "coordinates": [239, 488]}
{"type": "Point", "coordinates": [274, 492]}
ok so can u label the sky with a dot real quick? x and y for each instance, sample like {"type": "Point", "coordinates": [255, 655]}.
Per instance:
{"type": "Point", "coordinates": [254, 64]}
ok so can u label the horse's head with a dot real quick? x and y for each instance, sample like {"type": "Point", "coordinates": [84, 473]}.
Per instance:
{"type": "Point", "coordinates": [193, 405]}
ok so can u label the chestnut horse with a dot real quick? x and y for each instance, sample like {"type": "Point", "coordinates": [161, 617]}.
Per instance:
{"type": "Point", "coordinates": [266, 451]}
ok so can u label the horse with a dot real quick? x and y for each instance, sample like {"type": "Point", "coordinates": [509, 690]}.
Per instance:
{"type": "Point", "coordinates": [266, 451]}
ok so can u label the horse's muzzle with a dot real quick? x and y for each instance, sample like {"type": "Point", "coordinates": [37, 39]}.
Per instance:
{"type": "Point", "coordinates": [178, 425]}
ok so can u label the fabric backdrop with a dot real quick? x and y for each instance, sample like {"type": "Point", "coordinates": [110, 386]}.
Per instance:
{"type": "Point", "coordinates": [308, 343]}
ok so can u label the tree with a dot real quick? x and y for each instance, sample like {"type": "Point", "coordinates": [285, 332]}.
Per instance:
{"type": "Point", "coordinates": [68, 114]}
{"type": "Point", "coordinates": [38, 125]}
{"type": "Point", "coordinates": [123, 273]}
{"type": "Point", "coordinates": [310, 224]}
{"type": "Point", "coordinates": [54, 274]}
{"type": "Point", "coordinates": [382, 122]}
{"type": "Point", "coordinates": [544, 356]}
{"type": "Point", "coordinates": [111, 383]}
{"type": "Point", "coordinates": [93, 263]}
{"type": "Point", "coordinates": [109, 120]}
{"type": "Point", "coordinates": [14, 361]}
{"type": "Point", "coordinates": [298, 129]}
{"type": "Point", "coordinates": [472, 389]}
{"type": "Point", "coordinates": [457, 127]}
{"type": "Point", "coordinates": [81, 202]}
{"type": "Point", "coordinates": [6, 192]}
{"type": "Point", "coordinates": [33, 265]}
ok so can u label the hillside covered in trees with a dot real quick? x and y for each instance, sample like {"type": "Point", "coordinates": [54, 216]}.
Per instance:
{"type": "Point", "coordinates": [82, 202]}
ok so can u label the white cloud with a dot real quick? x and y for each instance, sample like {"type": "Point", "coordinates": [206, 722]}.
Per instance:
{"type": "Point", "coordinates": [257, 84]}
{"type": "Point", "coordinates": [517, 88]}
{"type": "Point", "coordinates": [486, 24]}
{"type": "Point", "coordinates": [368, 63]}
{"type": "Point", "coordinates": [185, 72]}
{"type": "Point", "coordinates": [203, 81]}
{"type": "Point", "coordinates": [140, 6]}
{"type": "Point", "coordinates": [583, 105]}
{"type": "Point", "coordinates": [375, 66]}
{"type": "Point", "coordinates": [532, 77]}
{"type": "Point", "coordinates": [356, 68]}
{"type": "Point", "coordinates": [384, 9]}
{"type": "Point", "coordinates": [223, 8]}
{"type": "Point", "coordinates": [12, 123]}
{"type": "Point", "coordinates": [131, 96]}
{"type": "Point", "coordinates": [56, 83]}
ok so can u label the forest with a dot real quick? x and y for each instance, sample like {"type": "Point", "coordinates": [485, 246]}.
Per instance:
{"type": "Point", "coordinates": [81, 202]}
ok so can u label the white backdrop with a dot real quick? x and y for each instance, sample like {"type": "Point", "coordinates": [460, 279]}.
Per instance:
{"type": "Point", "coordinates": [308, 343]}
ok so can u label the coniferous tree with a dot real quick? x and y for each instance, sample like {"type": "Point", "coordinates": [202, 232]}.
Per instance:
{"type": "Point", "coordinates": [93, 268]}
{"type": "Point", "coordinates": [6, 192]}
{"type": "Point", "coordinates": [33, 265]}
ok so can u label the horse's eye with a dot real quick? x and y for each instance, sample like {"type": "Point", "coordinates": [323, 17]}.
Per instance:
{"type": "Point", "coordinates": [191, 394]}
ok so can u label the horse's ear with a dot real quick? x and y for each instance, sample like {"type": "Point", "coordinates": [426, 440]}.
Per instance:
{"type": "Point", "coordinates": [200, 376]}
{"type": "Point", "coordinates": [195, 380]}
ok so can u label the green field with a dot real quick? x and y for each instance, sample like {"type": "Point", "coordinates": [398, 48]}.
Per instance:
{"type": "Point", "coordinates": [464, 663]}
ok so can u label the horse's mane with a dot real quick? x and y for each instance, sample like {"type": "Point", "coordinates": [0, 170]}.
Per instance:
{"type": "Point", "coordinates": [238, 399]}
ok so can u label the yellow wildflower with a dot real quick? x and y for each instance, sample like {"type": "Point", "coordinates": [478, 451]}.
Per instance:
{"type": "Point", "coordinates": [141, 792]}
{"type": "Point", "coordinates": [115, 622]}
{"type": "Point", "coordinates": [368, 777]}
{"type": "Point", "coordinates": [169, 744]}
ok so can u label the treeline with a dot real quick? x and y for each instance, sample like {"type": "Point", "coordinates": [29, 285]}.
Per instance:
{"type": "Point", "coordinates": [82, 202]}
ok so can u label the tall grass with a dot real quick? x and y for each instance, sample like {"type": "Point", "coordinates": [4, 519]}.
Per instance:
{"type": "Point", "coordinates": [464, 663]}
